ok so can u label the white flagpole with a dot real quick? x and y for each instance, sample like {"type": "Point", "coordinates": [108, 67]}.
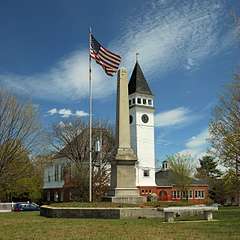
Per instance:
{"type": "Point", "coordinates": [90, 120]}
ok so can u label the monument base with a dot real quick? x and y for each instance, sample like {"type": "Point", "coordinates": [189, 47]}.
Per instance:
{"type": "Point", "coordinates": [125, 195]}
{"type": "Point", "coordinates": [128, 199]}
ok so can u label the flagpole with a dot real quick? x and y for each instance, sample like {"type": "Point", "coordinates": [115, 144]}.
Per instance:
{"type": "Point", "coordinates": [90, 120]}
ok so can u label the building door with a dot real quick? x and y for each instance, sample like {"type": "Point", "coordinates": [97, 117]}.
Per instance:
{"type": "Point", "coordinates": [163, 195]}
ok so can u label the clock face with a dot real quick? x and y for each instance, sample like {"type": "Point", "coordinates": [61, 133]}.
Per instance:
{"type": "Point", "coordinates": [130, 119]}
{"type": "Point", "coordinates": [145, 118]}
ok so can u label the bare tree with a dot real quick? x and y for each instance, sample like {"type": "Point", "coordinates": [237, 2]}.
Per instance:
{"type": "Point", "coordinates": [19, 132]}
{"type": "Point", "coordinates": [182, 169]}
{"type": "Point", "coordinates": [71, 141]}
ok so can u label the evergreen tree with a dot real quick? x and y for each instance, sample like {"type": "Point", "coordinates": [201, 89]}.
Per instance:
{"type": "Point", "coordinates": [208, 168]}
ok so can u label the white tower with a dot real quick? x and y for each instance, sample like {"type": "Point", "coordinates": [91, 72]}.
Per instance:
{"type": "Point", "coordinates": [141, 110]}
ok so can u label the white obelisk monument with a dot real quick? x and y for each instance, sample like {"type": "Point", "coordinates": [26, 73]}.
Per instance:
{"type": "Point", "coordinates": [123, 171]}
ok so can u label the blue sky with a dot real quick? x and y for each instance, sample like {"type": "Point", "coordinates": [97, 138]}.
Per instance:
{"type": "Point", "coordinates": [188, 51]}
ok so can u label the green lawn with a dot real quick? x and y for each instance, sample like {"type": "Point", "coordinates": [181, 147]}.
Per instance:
{"type": "Point", "coordinates": [31, 226]}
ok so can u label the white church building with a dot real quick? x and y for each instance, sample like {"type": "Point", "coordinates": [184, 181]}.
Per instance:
{"type": "Point", "coordinates": [141, 110]}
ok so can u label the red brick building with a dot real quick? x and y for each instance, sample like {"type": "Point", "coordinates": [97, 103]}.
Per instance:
{"type": "Point", "coordinates": [166, 189]}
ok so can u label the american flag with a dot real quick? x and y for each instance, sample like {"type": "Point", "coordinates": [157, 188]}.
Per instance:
{"type": "Point", "coordinates": [107, 59]}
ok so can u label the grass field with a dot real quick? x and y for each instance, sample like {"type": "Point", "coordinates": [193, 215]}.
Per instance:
{"type": "Point", "coordinates": [31, 226]}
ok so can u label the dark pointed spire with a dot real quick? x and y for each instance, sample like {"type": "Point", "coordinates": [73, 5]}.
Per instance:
{"type": "Point", "coordinates": [138, 83]}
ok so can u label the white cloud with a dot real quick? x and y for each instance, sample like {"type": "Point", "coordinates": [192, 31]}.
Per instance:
{"type": "Point", "coordinates": [68, 79]}
{"type": "Point", "coordinates": [197, 145]}
{"type": "Point", "coordinates": [176, 34]}
{"type": "Point", "coordinates": [172, 117]}
{"type": "Point", "coordinates": [52, 111]}
{"type": "Point", "coordinates": [80, 113]}
{"type": "Point", "coordinates": [65, 113]}
{"type": "Point", "coordinates": [170, 34]}
{"type": "Point", "coordinates": [199, 140]}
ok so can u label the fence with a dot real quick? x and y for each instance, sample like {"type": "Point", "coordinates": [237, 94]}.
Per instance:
{"type": "Point", "coordinates": [6, 207]}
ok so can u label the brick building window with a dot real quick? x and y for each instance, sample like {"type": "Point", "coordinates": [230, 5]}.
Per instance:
{"type": "Point", "coordinates": [190, 194]}
{"type": "Point", "coordinates": [199, 194]}
{"type": "Point", "coordinates": [178, 194]}
{"type": "Point", "coordinates": [174, 194]}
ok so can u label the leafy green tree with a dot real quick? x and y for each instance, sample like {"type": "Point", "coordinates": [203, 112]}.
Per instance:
{"type": "Point", "coordinates": [208, 171]}
{"type": "Point", "coordinates": [231, 185]}
{"type": "Point", "coordinates": [19, 136]}
{"type": "Point", "coordinates": [225, 128]}
{"type": "Point", "coordinates": [24, 180]}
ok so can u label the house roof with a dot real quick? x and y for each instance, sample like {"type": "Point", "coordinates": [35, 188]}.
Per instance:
{"type": "Point", "coordinates": [78, 141]}
{"type": "Point", "coordinates": [138, 83]}
{"type": "Point", "coordinates": [165, 178]}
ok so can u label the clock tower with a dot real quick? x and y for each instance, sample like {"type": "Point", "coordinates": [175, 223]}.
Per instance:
{"type": "Point", "coordinates": [141, 110]}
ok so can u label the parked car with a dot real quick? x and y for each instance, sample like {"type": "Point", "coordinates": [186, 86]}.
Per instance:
{"type": "Point", "coordinates": [26, 207]}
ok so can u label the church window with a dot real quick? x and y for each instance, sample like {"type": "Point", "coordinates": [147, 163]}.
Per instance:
{"type": "Point", "coordinates": [144, 101]}
{"type": "Point", "coordinates": [142, 190]}
{"type": "Point", "coordinates": [56, 173]}
{"type": "Point", "coordinates": [130, 119]}
{"type": "Point", "coordinates": [150, 191]}
{"type": "Point", "coordinates": [149, 102]}
{"type": "Point", "coordinates": [146, 173]}
{"type": "Point", "coordinates": [139, 100]}
{"type": "Point", "coordinates": [62, 173]}
{"type": "Point", "coordinates": [48, 196]}
{"type": "Point", "coordinates": [56, 197]}
{"type": "Point", "coordinates": [133, 101]}
{"type": "Point", "coordinates": [130, 102]}
{"type": "Point", "coordinates": [61, 196]}
{"type": "Point", "coordinates": [49, 176]}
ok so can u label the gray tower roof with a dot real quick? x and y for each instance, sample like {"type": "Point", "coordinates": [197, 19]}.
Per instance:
{"type": "Point", "coordinates": [138, 83]}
